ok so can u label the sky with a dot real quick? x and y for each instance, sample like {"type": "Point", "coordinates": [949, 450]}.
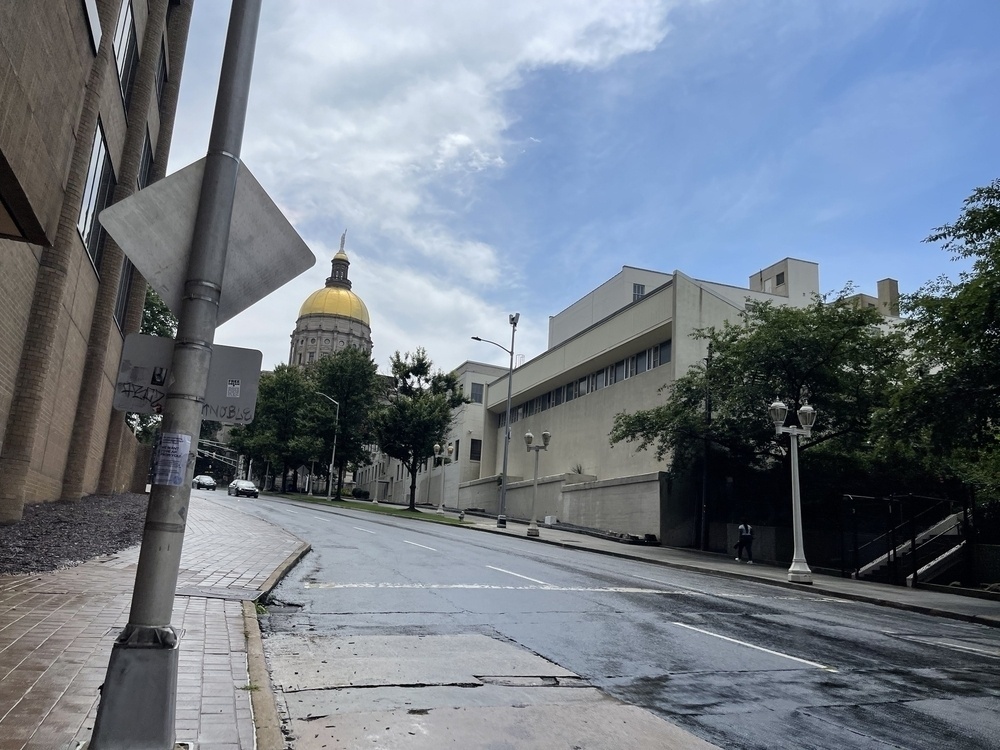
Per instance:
{"type": "Point", "coordinates": [488, 158]}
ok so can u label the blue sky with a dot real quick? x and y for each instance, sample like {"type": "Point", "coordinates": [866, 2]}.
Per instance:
{"type": "Point", "coordinates": [489, 158]}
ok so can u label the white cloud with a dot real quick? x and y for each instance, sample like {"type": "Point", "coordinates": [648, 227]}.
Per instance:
{"type": "Point", "coordinates": [382, 117]}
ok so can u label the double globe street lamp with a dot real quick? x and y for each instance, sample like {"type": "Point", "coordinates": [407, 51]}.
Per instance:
{"type": "Point", "coordinates": [438, 451]}
{"type": "Point", "coordinates": [513, 318]}
{"type": "Point", "coordinates": [528, 440]}
{"type": "Point", "coordinates": [799, 571]}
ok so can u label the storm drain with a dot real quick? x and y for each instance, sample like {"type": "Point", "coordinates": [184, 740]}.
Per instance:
{"type": "Point", "coordinates": [523, 681]}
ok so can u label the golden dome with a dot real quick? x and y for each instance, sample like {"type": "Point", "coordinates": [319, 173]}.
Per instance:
{"type": "Point", "coordinates": [335, 300]}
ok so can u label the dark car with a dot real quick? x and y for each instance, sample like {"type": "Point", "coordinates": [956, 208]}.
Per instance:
{"type": "Point", "coordinates": [243, 487]}
{"type": "Point", "coordinates": [204, 482]}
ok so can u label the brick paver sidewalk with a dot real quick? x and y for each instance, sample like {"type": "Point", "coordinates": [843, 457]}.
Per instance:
{"type": "Point", "coordinates": [57, 629]}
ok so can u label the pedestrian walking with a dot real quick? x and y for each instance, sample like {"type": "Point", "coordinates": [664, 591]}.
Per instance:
{"type": "Point", "coordinates": [745, 542]}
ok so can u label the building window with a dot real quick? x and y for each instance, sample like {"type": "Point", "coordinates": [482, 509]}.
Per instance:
{"type": "Point", "coordinates": [94, 23]}
{"type": "Point", "coordinates": [97, 195]}
{"type": "Point", "coordinates": [665, 349]}
{"type": "Point", "coordinates": [779, 280]}
{"type": "Point", "coordinates": [126, 51]}
{"type": "Point", "coordinates": [477, 393]}
{"type": "Point", "coordinates": [619, 372]}
{"type": "Point", "coordinates": [638, 292]}
{"type": "Point", "coordinates": [124, 289]}
{"type": "Point", "coordinates": [476, 451]}
{"type": "Point", "coordinates": [146, 164]}
{"type": "Point", "coordinates": [457, 454]}
{"type": "Point", "coordinates": [311, 357]}
{"type": "Point", "coordinates": [161, 74]}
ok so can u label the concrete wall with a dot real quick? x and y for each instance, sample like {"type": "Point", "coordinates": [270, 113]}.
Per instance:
{"type": "Point", "coordinates": [629, 505]}
{"type": "Point", "coordinates": [608, 298]}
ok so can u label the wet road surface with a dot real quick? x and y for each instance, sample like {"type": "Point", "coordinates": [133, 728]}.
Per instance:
{"type": "Point", "coordinates": [738, 664]}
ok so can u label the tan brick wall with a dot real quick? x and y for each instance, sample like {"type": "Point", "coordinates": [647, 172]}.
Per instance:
{"type": "Point", "coordinates": [41, 110]}
{"type": "Point", "coordinates": [17, 280]}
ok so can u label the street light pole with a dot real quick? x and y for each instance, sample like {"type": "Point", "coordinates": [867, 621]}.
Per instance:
{"type": "Point", "coordinates": [799, 571]}
{"type": "Point", "coordinates": [333, 453]}
{"type": "Point", "coordinates": [513, 318]}
{"type": "Point", "coordinates": [528, 440]}
{"type": "Point", "coordinates": [438, 451]}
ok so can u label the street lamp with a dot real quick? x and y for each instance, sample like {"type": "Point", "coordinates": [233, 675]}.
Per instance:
{"type": "Point", "coordinates": [513, 318]}
{"type": "Point", "coordinates": [333, 453]}
{"type": "Point", "coordinates": [799, 571]}
{"type": "Point", "coordinates": [437, 454]}
{"type": "Point", "coordinates": [528, 440]}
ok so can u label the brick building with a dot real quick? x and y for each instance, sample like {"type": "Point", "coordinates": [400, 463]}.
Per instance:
{"type": "Point", "coordinates": [88, 92]}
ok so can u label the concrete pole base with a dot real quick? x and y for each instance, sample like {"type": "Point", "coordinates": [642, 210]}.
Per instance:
{"type": "Point", "coordinates": [501, 522]}
{"type": "Point", "coordinates": [532, 531]}
{"type": "Point", "coordinates": [138, 700]}
{"type": "Point", "coordinates": [799, 573]}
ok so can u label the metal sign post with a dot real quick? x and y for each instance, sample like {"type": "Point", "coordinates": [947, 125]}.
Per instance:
{"type": "Point", "coordinates": [138, 701]}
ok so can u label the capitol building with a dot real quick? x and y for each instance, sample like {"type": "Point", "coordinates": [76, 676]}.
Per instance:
{"type": "Point", "coordinates": [331, 318]}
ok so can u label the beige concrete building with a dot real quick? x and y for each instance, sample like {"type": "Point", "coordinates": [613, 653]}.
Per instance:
{"type": "Point", "coordinates": [609, 352]}
{"type": "Point", "coordinates": [331, 318]}
{"type": "Point", "coordinates": [88, 91]}
{"type": "Point", "coordinates": [386, 478]}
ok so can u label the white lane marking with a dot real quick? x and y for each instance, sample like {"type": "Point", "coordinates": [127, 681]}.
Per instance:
{"type": "Point", "coordinates": [511, 573]}
{"type": "Point", "coordinates": [286, 510]}
{"type": "Point", "coordinates": [946, 643]}
{"type": "Point", "coordinates": [490, 586]}
{"type": "Point", "coordinates": [420, 545]}
{"type": "Point", "coordinates": [367, 531]}
{"type": "Point", "coordinates": [758, 648]}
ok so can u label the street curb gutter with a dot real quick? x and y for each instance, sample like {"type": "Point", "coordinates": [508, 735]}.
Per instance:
{"type": "Point", "coordinates": [993, 622]}
{"type": "Point", "coordinates": [267, 724]}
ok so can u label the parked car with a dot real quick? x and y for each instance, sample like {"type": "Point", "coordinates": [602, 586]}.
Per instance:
{"type": "Point", "coordinates": [204, 482]}
{"type": "Point", "coordinates": [243, 487]}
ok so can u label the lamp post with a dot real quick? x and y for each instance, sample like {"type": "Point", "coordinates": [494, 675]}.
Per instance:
{"type": "Point", "coordinates": [438, 451]}
{"type": "Point", "coordinates": [799, 571]}
{"type": "Point", "coordinates": [333, 453]}
{"type": "Point", "coordinates": [513, 318]}
{"type": "Point", "coordinates": [528, 440]}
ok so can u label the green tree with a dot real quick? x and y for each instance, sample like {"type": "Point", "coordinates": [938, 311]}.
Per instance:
{"type": "Point", "coordinates": [418, 412]}
{"type": "Point", "coordinates": [838, 353]}
{"type": "Point", "coordinates": [350, 377]}
{"type": "Point", "coordinates": [157, 320]}
{"type": "Point", "coordinates": [947, 413]}
{"type": "Point", "coordinates": [279, 432]}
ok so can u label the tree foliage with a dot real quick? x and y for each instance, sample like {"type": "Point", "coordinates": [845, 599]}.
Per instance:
{"type": "Point", "coordinates": [349, 377]}
{"type": "Point", "coordinates": [839, 354]}
{"type": "Point", "coordinates": [947, 413]}
{"type": "Point", "coordinates": [279, 432]}
{"type": "Point", "coordinates": [417, 413]}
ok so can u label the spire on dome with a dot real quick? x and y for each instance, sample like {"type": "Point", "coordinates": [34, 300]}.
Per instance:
{"type": "Point", "coordinates": [339, 266]}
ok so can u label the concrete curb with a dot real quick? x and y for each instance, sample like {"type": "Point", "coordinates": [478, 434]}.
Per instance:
{"type": "Point", "coordinates": [282, 570]}
{"type": "Point", "coordinates": [267, 724]}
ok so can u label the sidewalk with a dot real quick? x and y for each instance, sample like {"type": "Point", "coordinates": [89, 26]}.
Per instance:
{"type": "Point", "coordinates": [56, 629]}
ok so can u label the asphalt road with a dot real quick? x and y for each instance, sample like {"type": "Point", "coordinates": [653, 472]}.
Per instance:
{"type": "Point", "coordinates": [738, 664]}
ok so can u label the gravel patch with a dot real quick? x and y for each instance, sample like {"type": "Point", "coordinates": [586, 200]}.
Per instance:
{"type": "Point", "coordinates": [60, 535]}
